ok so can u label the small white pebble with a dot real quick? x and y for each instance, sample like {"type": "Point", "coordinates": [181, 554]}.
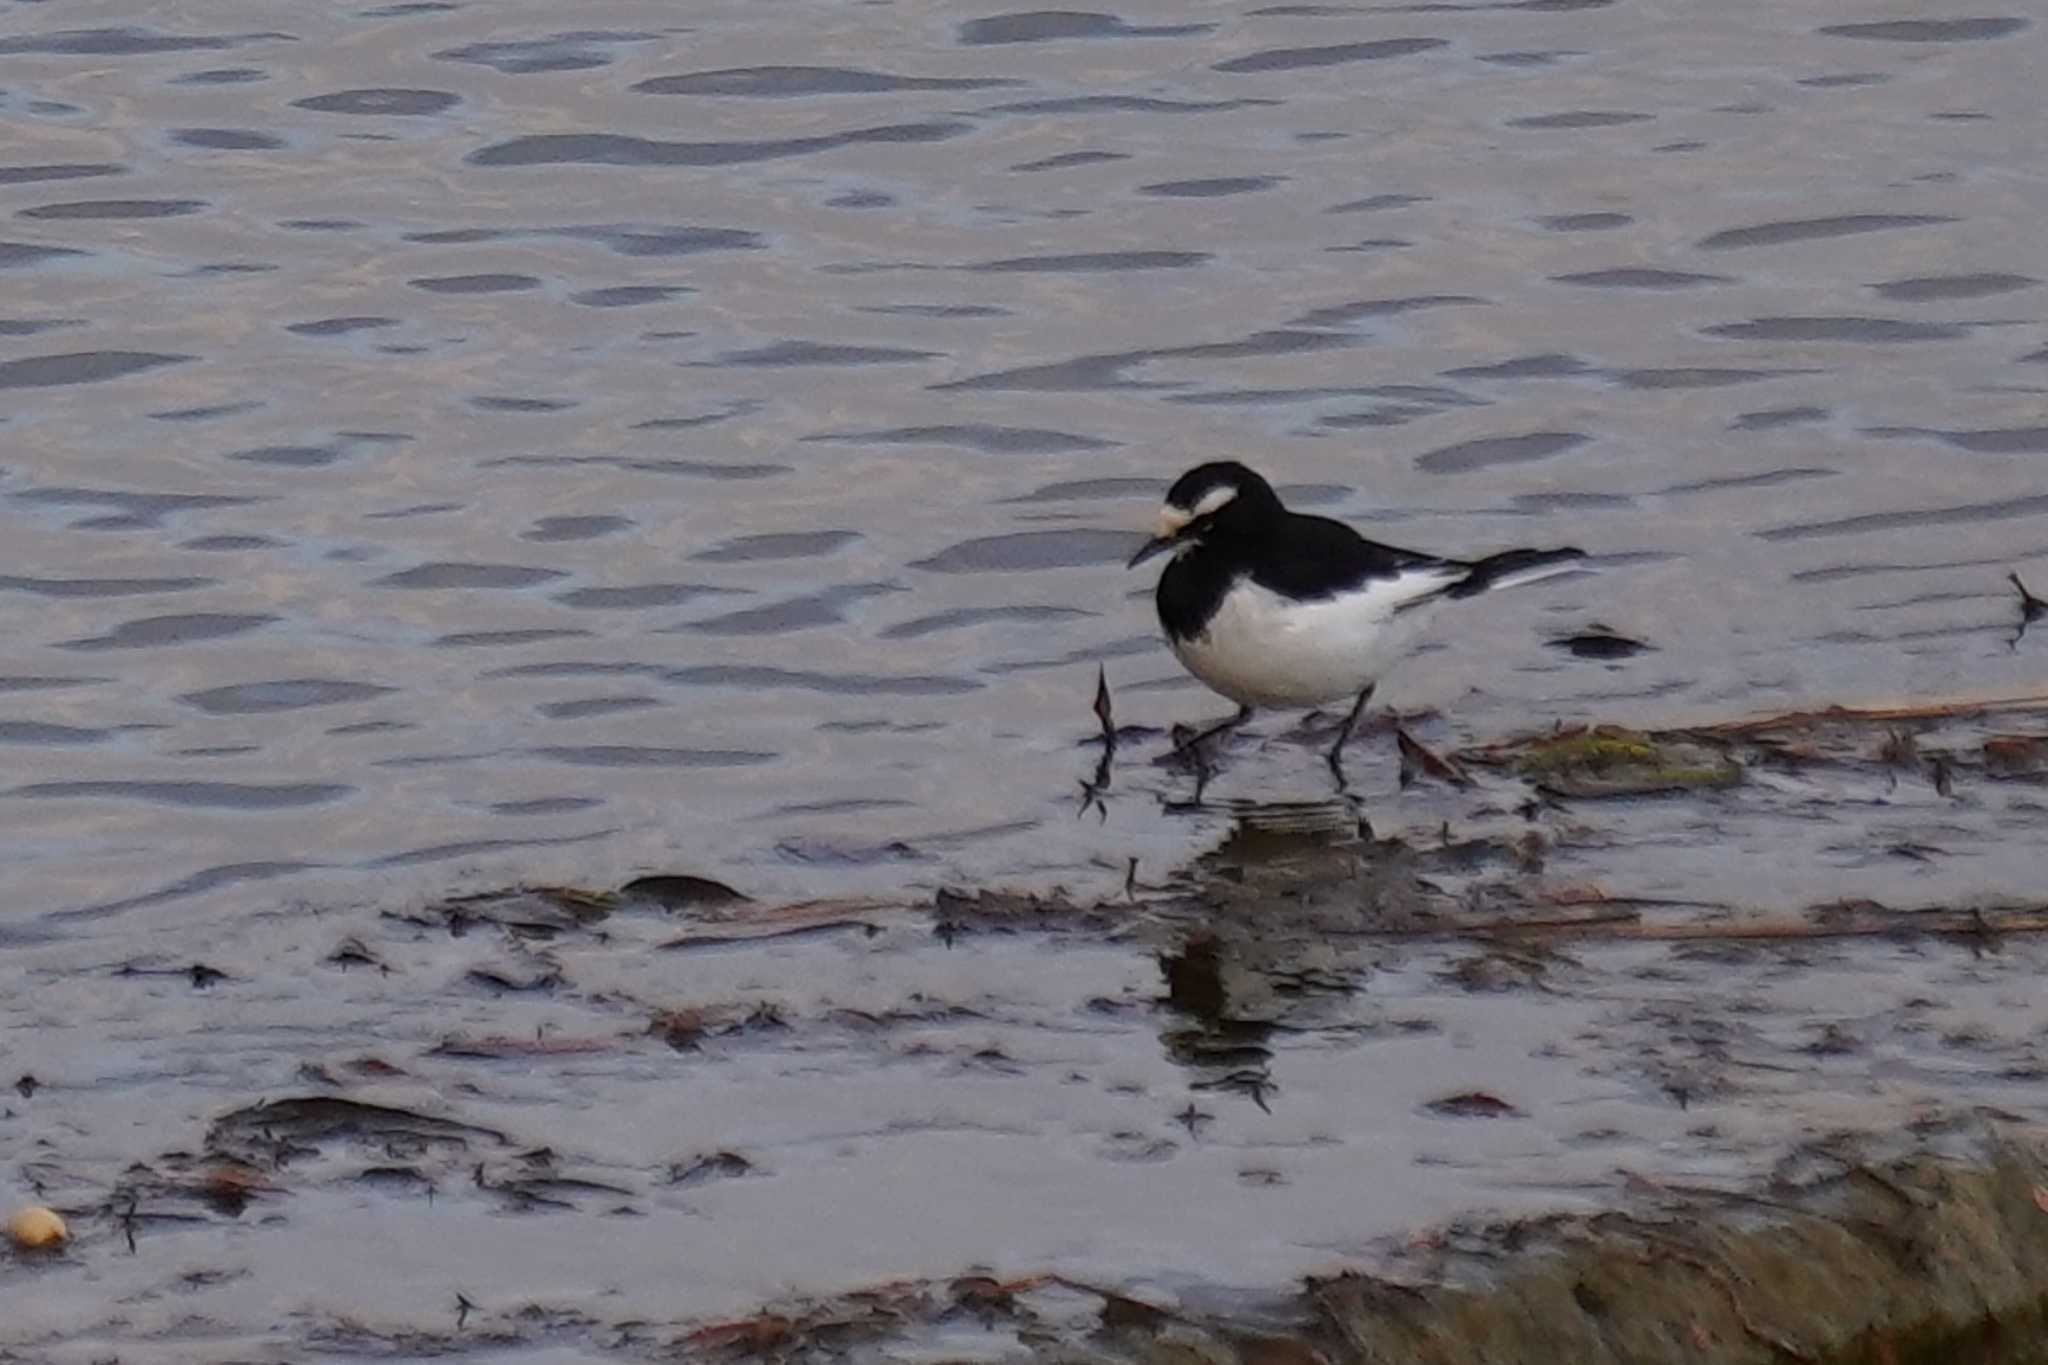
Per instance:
{"type": "Point", "coordinates": [35, 1227]}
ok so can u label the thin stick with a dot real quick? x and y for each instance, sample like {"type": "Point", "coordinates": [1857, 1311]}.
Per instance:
{"type": "Point", "coordinates": [1102, 709]}
{"type": "Point", "coordinates": [1628, 926]}
{"type": "Point", "coordinates": [1092, 788]}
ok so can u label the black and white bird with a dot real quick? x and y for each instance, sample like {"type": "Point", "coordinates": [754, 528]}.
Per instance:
{"type": "Point", "coordinates": [1273, 608]}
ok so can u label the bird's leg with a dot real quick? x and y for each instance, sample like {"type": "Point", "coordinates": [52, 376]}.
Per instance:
{"type": "Point", "coordinates": [1335, 758]}
{"type": "Point", "coordinates": [1194, 743]}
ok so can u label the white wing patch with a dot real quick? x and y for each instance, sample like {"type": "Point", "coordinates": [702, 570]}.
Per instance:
{"type": "Point", "coordinates": [1537, 573]}
{"type": "Point", "coordinates": [1263, 649]}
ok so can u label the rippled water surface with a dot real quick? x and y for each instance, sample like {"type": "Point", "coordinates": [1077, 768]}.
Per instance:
{"type": "Point", "coordinates": [447, 445]}
{"type": "Point", "coordinates": [442, 444]}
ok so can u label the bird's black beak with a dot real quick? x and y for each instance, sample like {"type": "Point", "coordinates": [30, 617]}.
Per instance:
{"type": "Point", "coordinates": [1155, 546]}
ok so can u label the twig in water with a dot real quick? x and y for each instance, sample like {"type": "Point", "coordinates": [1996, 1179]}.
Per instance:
{"type": "Point", "coordinates": [1872, 923]}
{"type": "Point", "coordinates": [1102, 709]}
{"type": "Point", "coordinates": [1093, 788]}
{"type": "Point", "coordinates": [2032, 609]}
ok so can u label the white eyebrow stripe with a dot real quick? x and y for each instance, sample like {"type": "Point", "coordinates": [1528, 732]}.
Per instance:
{"type": "Point", "coordinates": [1213, 499]}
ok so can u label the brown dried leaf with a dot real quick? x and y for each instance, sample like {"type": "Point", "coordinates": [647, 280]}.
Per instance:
{"type": "Point", "coordinates": [759, 1334]}
{"type": "Point", "coordinates": [459, 1046]}
{"type": "Point", "coordinates": [2015, 753]}
{"type": "Point", "coordinates": [1472, 1104]}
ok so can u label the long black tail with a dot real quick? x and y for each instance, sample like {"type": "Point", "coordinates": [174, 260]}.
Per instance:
{"type": "Point", "coordinates": [1510, 567]}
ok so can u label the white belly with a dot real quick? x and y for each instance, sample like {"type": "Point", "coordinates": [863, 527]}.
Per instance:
{"type": "Point", "coordinates": [1262, 649]}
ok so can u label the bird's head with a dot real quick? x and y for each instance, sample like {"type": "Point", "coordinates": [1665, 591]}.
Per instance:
{"type": "Point", "coordinates": [1222, 497]}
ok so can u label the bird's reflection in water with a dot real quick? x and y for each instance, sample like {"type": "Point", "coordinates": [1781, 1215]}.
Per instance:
{"type": "Point", "coordinates": [1271, 831]}
{"type": "Point", "coordinates": [1227, 1052]}
{"type": "Point", "coordinates": [1235, 982]}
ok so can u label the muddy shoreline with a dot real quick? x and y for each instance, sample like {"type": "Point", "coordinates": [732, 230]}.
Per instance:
{"type": "Point", "coordinates": [1421, 1081]}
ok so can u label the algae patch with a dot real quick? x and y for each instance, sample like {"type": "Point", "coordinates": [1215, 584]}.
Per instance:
{"type": "Point", "coordinates": [1608, 760]}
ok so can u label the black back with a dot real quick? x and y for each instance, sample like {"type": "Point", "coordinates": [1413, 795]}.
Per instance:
{"type": "Point", "coordinates": [1254, 536]}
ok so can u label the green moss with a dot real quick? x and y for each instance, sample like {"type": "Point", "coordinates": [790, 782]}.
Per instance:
{"type": "Point", "coordinates": [1603, 747]}
{"type": "Point", "coordinates": [1608, 760]}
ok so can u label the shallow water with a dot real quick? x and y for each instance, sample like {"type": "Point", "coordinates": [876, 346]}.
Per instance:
{"type": "Point", "coordinates": [443, 447]}
{"type": "Point", "coordinates": [442, 450]}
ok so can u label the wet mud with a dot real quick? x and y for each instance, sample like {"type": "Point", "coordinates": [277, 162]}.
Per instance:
{"type": "Point", "coordinates": [1445, 1092]}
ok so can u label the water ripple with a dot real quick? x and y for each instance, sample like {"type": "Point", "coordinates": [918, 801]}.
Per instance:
{"type": "Point", "coordinates": [615, 149]}
{"type": "Point", "coordinates": [285, 694]}
{"type": "Point", "coordinates": [100, 587]}
{"type": "Point", "coordinates": [789, 82]}
{"type": "Point", "coordinates": [580, 50]}
{"type": "Point", "coordinates": [1490, 451]}
{"type": "Point", "coordinates": [847, 684]}
{"type": "Point", "coordinates": [1928, 30]}
{"type": "Point", "coordinates": [1336, 54]}
{"type": "Point", "coordinates": [191, 628]}
{"type": "Point", "coordinates": [1044, 26]}
{"type": "Point", "coordinates": [634, 756]}
{"type": "Point", "coordinates": [80, 367]}
{"type": "Point", "coordinates": [125, 41]}
{"type": "Point", "coordinates": [1817, 229]}
{"type": "Point", "coordinates": [1031, 550]}
{"type": "Point", "coordinates": [382, 101]}
{"type": "Point", "coordinates": [249, 796]}
{"type": "Point", "coordinates": [69, 170]}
